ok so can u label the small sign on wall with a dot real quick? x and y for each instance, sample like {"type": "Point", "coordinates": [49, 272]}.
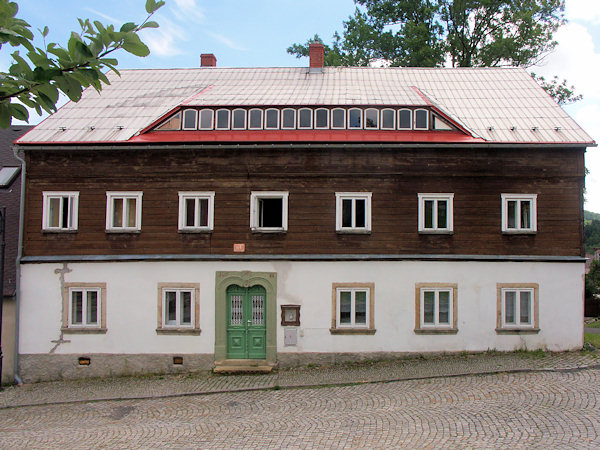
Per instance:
{"type": "Point", "coordinates": [239, 248]}
{"type": "Point", "coordinates": [290, 315]}
{"type": "Point", "coordinates": [290, 336]}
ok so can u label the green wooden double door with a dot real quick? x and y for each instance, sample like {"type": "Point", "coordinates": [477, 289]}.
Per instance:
{"type": "Point", "coordinates": [246, 322]}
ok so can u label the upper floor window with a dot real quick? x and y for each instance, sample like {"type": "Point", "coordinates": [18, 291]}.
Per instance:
{"type": "Point", "coordinates": [255, 119]}
{"type": "Point", "coordinates": [338, 118]}
{"type": "Point", "coordinates": [59, 211]}
{"type": "Point", "coordinates": [372, 118]}
{"type": "Point", "coordinates": [354, 118]}
{"type": "Point", "coordinates": [206, 119]}
{"type": "Point", "coordinates": [305, 118]}
{"type": "Point", "coordinates": [388, 119]}
{"type": "Point", "coordinates": [288, 119]}
{"type": "Point", "coordinates": [519, 213]}
{"type": "Point", "coordinates": [269, 211]}
{"type": "Point", "coordinates": [421, 119]}
{"type": "Point", "coordinates": [353, 212]}
{"type": "Point", "coordinates": [322, 118]}
{"type": "Point", "coordinates": [405, 119]}
{"type": "Point", "coordinates": [239, 119]}
{"type": "Point", "coordinates": [517, 306]}
{"type": "Point", "coordinates": [190, 119]}
{"type": "Point", "coordinates": [222, 119]}
{"type": "Point", "coordinates": [436, 213]}
{"type": "Point", "coordinates": [124, 211]}
{"type": "Point", "coordinates": [196, 211]}
{"type": "Point", "coordinates": [272, 119]}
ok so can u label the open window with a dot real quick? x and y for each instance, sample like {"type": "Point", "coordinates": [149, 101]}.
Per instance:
{"type": "Point", "coordinates": [269, 211]}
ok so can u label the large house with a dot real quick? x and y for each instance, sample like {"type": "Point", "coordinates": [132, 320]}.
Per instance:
{"type": "Point", "coordinates": [248, 217]}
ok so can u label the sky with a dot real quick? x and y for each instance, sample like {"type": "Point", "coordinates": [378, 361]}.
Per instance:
{"type": "Point", "coordinates": [255, 33]}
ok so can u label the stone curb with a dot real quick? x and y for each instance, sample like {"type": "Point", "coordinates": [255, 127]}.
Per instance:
{"type": "Point", "coordinates": [276, 386]}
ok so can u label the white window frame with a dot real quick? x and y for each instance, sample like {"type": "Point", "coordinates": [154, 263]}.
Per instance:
{"type": "Point", "coordinates": [265, 119]}
{"type": "Point", "coordinates": [393, 127]}
{"type": "Point", "coordinates": [353, 291]}
{"type": "Point", "coordinates": [228, 119]}
{"type": "Point", "coordinates": [410, 127]}
{"type": "Point", "coordinates": [294, 121]}
{"type": "Point", "coordinates": [178, 307]}
{"type": "Point", "coordinates": [114, 195]}
{"type": "Point", "coordinates": [436, 197]}
{"type": "Point", "coordinates": [426, 127]}
{"type": "Point", "coordinates": [326, 127]}
{"type": "Point", "coordinates": [212, 119]}
{"type": "Point", "coordinates": [255, 196]}
{"type": "Point", "coordinates": [185, 112]}
{"type": "Point", "coordinates": [436, 307]}
{"type": "Point", "coordinates": [533, 305]}
{"type": "Point", "coordinates": [339, 198]}
{"type": "Point", "coordinates": [310, 114]}
{"type": "Point", "coordinates": [361, 119]}
{"type": "Point", "coordinates": [376, 127]}
{"type": "Point", "coordinates": [232, 120]}
{"type": "Point", "coordinates": [343, 127]}
{"type": "Point", "coordinates": [73, 214]}
{"type": "Point", "coordinates": [532, 198]}
{"type": "Point", "coordinates": [207, 195]}
{"type": "Point", "coordinates": [100, 314]}
{"type": "Point", "coordinates": [262, 117]}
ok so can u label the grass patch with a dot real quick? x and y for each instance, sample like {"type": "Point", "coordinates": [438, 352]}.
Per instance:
{"type": "Point", "coordinates": [595, 324]}
{"type": "Point", "coordinates": [593, 339]}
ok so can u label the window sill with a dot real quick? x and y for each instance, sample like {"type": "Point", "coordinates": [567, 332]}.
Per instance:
{"type": "Point", "coordinates": [268, 231]}
{"type": "Point", "coordinates": [436, 330]}
{"type": "Point", "coordinates": [517, 330]}
{"type": "Point", "coordinates": [179, 331]}
{"type": "Point", "coordinates": [83, 330]}
{"type": "Point", "coordinates": [196, 231]}
{"type": "Point", "coordinates": [446, 232]}
{"type": "Point", "coordinates": [353, 231]}
{"type": "Point", "coordinates": [123, 231]}
{"type": "Point", "coordinates": [519, 232]}
{"type": "Point", "coordinates": [368, 331]}
{"type": "Point", "coordinates": [59, 231]}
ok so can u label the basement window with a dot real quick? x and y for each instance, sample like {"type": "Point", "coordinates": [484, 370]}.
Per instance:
{"type": "Point", "coordinates": [59, 211]}
{"type": "Point", "coordinates": [269, 211]}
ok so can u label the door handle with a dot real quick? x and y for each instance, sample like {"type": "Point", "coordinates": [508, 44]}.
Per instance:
{"type": "Point", "coordinates": [249, 322]}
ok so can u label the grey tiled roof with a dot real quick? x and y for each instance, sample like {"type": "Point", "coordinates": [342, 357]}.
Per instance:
{"type": "Point", "coordinates": [498, 104]}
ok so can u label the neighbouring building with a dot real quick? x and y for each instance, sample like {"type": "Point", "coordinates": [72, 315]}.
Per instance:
{"type": "Point", "coordinates": [191, 218]}
{"type": "Point", "coordinates": [10, 198]}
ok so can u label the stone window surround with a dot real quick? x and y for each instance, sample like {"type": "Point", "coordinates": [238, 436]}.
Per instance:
{"type": "Point", "coordinates": [370, 328]}
{"type": "Point", "coordinates": [453, 328]}
{"type": "Point", "coordinates": [166, 329]}
{"type": "Point", "coordinates": [66, 305]}
{"type": "Point", "coordinates": [517, 329]}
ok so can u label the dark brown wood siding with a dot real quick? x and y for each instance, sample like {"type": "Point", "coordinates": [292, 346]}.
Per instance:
{"type": "Point", "coordinates": [312, 176]}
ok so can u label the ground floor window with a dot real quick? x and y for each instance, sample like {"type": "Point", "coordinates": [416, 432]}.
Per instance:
{"type": "Point", "coordinates": [352, 308]}
{"type": "Point", "coordinates": [517, 307]}
{"type": "Point", "coordinates": [84, 307]}
{"type": "Point", "coordinates": [178, 308]}
{"type": "Point", "coordinates": [436, 307]}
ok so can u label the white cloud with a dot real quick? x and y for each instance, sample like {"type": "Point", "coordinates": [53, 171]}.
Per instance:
{"type": "Point", "coordinates": [188, 10]}
{"type": "Point", "coordinates": [226, 41]}
{"type": "Point", "coordinates": [166, 40]}
{"type": "Point", "coordinates": [104, 16]}
{"type": "Point", "coordinates": [586, 10]}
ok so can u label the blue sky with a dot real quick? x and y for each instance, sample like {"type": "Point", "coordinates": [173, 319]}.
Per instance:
{"type": "Point", "coordinates": [251, 33]}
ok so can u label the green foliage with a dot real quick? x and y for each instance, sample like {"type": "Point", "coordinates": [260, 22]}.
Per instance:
{"type": "Point", "coordinates": [593, 339]}
{"type": "Point", "coordinates": [589, 216]}
{"type": "Point", "coordinates": [36, 77]}
{"type": "Point", "coordinates": [592, 281]}
{"type": "Point", "coordinates": [558, 90]}
{"type": "Point", "coordinates": [464, 33]}
{"type": "Point", "coordinates": [591, 233]}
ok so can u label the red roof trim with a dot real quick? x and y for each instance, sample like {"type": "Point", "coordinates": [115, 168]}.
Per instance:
{"type": "Point", "coordinates": [212, 136]}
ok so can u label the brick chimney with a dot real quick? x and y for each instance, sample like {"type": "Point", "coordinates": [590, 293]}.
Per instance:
{"type": "Point", "coordinates": [208, 60]}
{"type": "Point", "coordinates": [316, 52]}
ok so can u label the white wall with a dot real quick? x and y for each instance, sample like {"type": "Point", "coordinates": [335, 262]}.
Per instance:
{"type": "Point", "coordinates": [132, 305]}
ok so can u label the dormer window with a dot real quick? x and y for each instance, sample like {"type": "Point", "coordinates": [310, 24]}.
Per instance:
{"type": "Point", "coordinates": [405, 119]}
{"type": "Point", "coordinates": [255, 119]}
{"type": "Point", "coordinates": [354, 118]}
{"type": "Point", "coordinates": [421, 119]}
{"type": "Point", "coordinates": [338, 118]}
{"type": "Point", "coordinates": [288, 119]}
{"type": "Point", "coordinates": [305, 118]}
{"type": "Point", "coordinates": [170, 124]}
{"type": "Point", "coordinates": [190, 117]}
{"type": "Point", "coordinates": [272, 119]}
{"type": "Point", "coordinates": [239, 119]}
{"type": "Point", "coordinates": [322, 118]}
{"type": "Point", "coordinates": [388, 119]}
{"type": "Point", "coordinates": [372, 118]}
{"type": "Point", "coordinates": [206, 119]}
{"type": "Point", "coordinates": [222, 119]}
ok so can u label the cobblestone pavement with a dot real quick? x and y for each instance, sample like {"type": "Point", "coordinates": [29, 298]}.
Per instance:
{"type": "Point", "coordinates": [544, 409]}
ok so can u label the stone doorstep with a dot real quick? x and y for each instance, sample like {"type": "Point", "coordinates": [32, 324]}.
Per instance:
{"type": "Point", "coordinates": [243, 366]}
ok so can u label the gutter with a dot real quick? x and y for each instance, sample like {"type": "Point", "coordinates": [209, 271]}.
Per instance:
{"type": "Point", "coordinates": [18, 262]}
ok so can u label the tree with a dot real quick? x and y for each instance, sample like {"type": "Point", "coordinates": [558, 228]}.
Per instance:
{"type": "Point", "coordinates": [461, 33]}
{"type": "Point", "coordinates": [36, 78]}
{"type": "Point", "coordinates": [592, 281]}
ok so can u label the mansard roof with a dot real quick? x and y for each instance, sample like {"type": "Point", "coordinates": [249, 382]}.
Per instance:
{"type": "Point", "coordinates": [493, 105]}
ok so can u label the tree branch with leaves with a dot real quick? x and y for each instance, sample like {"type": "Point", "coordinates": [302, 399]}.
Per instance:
{"type": "Point", "coordinates": [36, 78]}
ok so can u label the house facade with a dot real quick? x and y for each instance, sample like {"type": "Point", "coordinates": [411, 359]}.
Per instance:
{"type": "Point", "coordinates": [216, 217]}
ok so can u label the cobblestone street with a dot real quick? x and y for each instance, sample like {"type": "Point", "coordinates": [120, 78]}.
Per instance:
{"type": "Point", "coordinates": [534, 409]}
